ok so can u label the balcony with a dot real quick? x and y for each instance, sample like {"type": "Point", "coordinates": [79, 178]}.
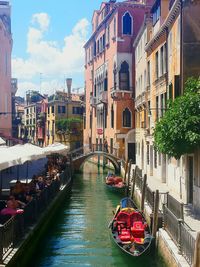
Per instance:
{"type": "Point", "coordinates": [93, 101]}
{"type": "Point", "coordinates": [103, 97]}
{"type": "Point", "coordinates": [117, 94]}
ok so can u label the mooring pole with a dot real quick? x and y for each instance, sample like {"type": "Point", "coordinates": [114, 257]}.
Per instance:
{"type": "Point", "coordinates": [129, 172]}
{"type": "Point", "coordinates": [143, 191]}
{"type": "Point", "coordinates": [126, 168]}
{"type": "Point", "coordinates": [133, 183]}
{"type": "Point", "coordinates": [155, 214]}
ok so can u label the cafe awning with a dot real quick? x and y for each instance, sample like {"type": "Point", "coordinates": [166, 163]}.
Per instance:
{"type": "Point", "coordinates": [56, 148]}
{"type": "Point", "coordinates": [7, 158]}
{"type": "Point", "coordinates": [27, 152]}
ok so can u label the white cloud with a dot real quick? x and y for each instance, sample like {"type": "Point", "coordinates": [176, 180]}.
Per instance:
{"type": "Point", "coordinates": [47, 57]}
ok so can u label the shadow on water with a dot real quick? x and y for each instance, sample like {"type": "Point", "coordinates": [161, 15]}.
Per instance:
{"type": "Point", "coordinates": [79, 234]}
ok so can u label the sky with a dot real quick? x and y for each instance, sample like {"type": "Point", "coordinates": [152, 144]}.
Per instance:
{"type": "Point", "coordinates": [48, 40]}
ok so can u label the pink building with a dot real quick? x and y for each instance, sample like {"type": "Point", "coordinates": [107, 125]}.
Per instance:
{"type": "Point", "coordinates": [110, 76]}
{"type": "Point", "coordinates": [5, 70]}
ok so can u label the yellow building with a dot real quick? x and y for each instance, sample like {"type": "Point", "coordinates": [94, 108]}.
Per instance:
{"type": "Point", "coordinates": [64, 120]}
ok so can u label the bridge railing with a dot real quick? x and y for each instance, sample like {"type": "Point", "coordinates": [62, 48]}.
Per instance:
{"type": "Point", "coordinates": [108, 149]}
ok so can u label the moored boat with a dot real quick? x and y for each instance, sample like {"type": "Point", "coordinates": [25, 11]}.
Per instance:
{"type": "Point", "coordinates": [130, 230]}
{"type": "Point", "coordinates": [115, 183]}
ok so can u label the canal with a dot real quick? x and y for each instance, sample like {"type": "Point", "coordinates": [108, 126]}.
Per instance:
{"type": "Point", "coordinates": [79, 235]}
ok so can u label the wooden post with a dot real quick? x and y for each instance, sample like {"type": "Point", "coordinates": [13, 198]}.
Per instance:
{"type": "Point", "coordinates": [126, 168]}
{"type": "Point", "coordinates": [155, 214]}
{"type": "Point", "coordinates": [143, 191]}
{"type": "Point", "coordinates": [133, 183]}
{"type": "Point", "coordinates": [196, 262]}
{"type": "Point", "coordinates": [129, 172]}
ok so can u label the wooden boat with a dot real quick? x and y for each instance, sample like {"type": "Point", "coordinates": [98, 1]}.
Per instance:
{"type": "Point", "coordinates": [130, 230]}
{"type": "Point", "coordinates": [115, 183]}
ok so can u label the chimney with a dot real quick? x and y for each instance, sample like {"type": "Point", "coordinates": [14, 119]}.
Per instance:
{"type": "Point", "coordinates": [69, 85]}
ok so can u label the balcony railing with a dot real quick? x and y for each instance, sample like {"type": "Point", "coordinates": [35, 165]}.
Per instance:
{"type": "Point", "coordinates": [93, 101]}
{"type": "Point", "coordinates": [103, 97]}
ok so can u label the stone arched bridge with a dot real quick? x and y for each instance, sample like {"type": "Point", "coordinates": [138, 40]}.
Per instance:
{"type": "Point", "coordinates": [78, 156]}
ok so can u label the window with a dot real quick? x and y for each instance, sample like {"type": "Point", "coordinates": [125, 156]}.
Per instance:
{"type": "Point", "coordinates": [106, 82]}
{"type": "Point", "coordinates": [148, 154]}
{"type": "Point", "coordinates": [90, 120]}
{"type": "Point", "coordinates": [126, 118]}
{"type": "Point", "coordinates": [114, 26]}
{"type": "Point", "coordinates": [77, 110]}
{"type": "Point", "coordinates": [157, 107]}
{"type": "Point", "coordinates": [155, 158]}
{"type": "Point", "coordinates": [156, 13]}
{"type": "Point", "coordinates": [124, 76]}
{"type": "Point", "coordinates": [148, 73]}
{"type": "Point", "coordinates": [59, 109]}
{"type": "Point", "coordinates": [157, 66]}
{"type": "Point", "coordinates": [177, 88]}
{"type": "Point", "coordinates": [112, 117]}
{"type": "Point", "coordinates": [108, 35]}
{"type": "Point", "coordinates": [52, 109]}
{"type": "Point", "coordinates": [94, 49]}
{"type": "Point", "coordinates": [115, 77]}
{"type": "Point", "coordinates": [127, 24]}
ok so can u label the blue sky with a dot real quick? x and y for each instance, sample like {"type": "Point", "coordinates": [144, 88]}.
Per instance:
{"type": "Point", "coordinates": [48, 39]}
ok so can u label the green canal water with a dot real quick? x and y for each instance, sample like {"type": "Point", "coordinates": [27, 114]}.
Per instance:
{"type": "Point", "coordinates": [79, 235]}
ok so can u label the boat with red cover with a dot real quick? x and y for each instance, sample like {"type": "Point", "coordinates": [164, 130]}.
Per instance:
{"type": "Point", "coordinates": [130, 230]}
{"type": "Point", "coordinates": [115, 183]}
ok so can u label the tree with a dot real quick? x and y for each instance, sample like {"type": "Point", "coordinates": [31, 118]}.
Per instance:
{"type": "Point", "coordinates": [178, 131]}
{"type": "Point", "coordinates": [68, 126]}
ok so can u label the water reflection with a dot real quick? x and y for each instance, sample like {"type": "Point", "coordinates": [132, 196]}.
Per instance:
{"type": "Point", "coordinates": [79, 235]}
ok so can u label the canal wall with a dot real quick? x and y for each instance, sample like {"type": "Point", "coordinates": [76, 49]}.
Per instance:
{"type": "Point", "coordinates": [21, 255]}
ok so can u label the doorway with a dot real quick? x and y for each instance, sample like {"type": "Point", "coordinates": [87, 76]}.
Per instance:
{"type": "Point", "coordinates": [131, 152]}
{"type": "Point", "coordinates": [190, 178]}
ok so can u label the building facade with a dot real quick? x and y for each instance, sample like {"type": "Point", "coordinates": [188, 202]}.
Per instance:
{"type": "Point", "coordinates": [172, 55]}
{"type": "Point", "coordinates": [5, 70]}
{"type": "Point", "coordinates": [110, 76]}
{"type": "Point", "coordinates": [64, 121]}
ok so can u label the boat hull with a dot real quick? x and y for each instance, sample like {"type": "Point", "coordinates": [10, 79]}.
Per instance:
{"type": "Point", "coordinates": [129, 229]}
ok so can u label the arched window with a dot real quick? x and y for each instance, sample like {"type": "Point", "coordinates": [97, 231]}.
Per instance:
{"type": "Point", "coordinates": [124, 77]}
{"type": "Point", "coordinates": [115, 76]}
{"type": "Point", "coordinates": [127, 24]}
{"type": "Point", "coordinates": [126, 118]}
{"type": "Point", "coordinates": [106, 82]}
{"type": "Point", "coordinates": [112, 117]}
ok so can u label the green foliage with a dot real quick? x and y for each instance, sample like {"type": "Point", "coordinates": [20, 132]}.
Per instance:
{"type": "Point", "coordinates": [178, 131]}
{"type": "Point", "coordinates": [67, 124]}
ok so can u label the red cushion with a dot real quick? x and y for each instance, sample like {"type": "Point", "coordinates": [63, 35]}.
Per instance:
{"type": "Point", "coordinates": [138, 229]}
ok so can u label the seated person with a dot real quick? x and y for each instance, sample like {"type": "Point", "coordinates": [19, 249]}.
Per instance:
{"type": "Point", "coordinates": [10, 210]}
{"type": "Point", "coordinates": [17, 204]}
{"type": "Point", "coordinates": [18, 189]}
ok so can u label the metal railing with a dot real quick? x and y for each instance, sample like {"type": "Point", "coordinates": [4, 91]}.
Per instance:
{"type": "Point", "coordinates": [171, 224]}
{"type": "Point", "coordinates": [187, 244]}
{"type": "Point", "coordinates": [180, 234]}
{"type": "Point", "coordinates": [13, 230]}
{"type": "Point", "coordinates": [175, 206]}
{"type": "Point", "coordinates": [150, 197]}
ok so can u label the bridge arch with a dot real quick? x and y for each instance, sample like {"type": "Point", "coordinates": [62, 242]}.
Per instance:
{"type": "Point", "coordinates": [77, 162]}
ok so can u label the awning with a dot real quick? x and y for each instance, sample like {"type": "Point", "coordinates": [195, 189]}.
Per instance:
{"type": "Point", "coordinates": [27, 152]}
{"type": "Point", "coordinates": [56, 148]}
{"type": "Point", "coordinates": [8, 159]}
{"type": "Point", "coordinates": [19, 154]}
